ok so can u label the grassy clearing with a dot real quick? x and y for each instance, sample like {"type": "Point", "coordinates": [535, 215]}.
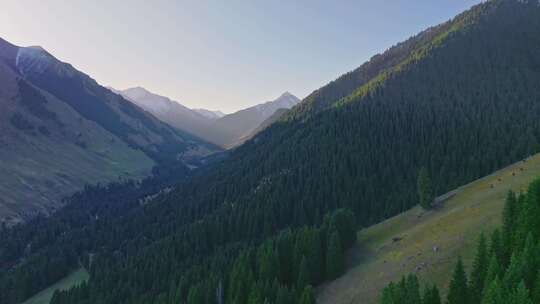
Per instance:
{"type": "Point", "coordinates": [44, 296]}
{"type": "Point", "coordinates": [427, 243]}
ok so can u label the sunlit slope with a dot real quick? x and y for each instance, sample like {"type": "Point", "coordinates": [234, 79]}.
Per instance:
{"type": "Point", "coordinates": [427, 243]}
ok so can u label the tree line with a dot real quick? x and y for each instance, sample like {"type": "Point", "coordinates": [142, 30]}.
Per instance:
{"type": "Point", "coordinates": [505, 271]}
{"type": "Point", "coordinates": [281, 270]}
{"type": "Point", "coordinates": [464, 107]}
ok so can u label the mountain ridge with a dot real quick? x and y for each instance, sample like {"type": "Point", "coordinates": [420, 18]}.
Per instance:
{"type": "Point", "coordinates": [225, 130]}
{"type": "Point", "coordinates": [62, 130]}
{"type": "Point", "coordinates": [258, 222]}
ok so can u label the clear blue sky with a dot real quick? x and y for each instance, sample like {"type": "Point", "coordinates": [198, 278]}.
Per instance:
{"type": "Point", "coordinates": [219, 54]}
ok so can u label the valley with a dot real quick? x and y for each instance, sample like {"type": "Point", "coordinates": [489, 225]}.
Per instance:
{"type": "Point", "coordinates": [377, 184]}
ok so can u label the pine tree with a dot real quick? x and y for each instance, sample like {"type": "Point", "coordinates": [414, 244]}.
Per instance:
{"type": "Point", "coordinates": [510, 214]}
{"type": "Point", "coordinates": [283, 296]}
{"type": "Point", "coordinates": [431, 296]}
{"type": "Point", "coordinates": [458, 292]}
{"type": "Point", "coordinates": [388, 294]}
{"type": "Point", "coordinates": [255, 295]}
{"type": "Point", "coordinates": [412, 290]}
{"type": "Point", "coordinates": [528, 216]}
{"type": "Point", "coordinates": [334, 257]}
{"type": "Point", "coordinates": [493, 272]}
{"type": "Point", "coordinates": [514, 273]}
{"type": "Point", "coordinates": [425, 189]}
{"type": "Point", "coordinates": [494, 293]}
{"type": "Point", "coordinates": [536, 290]}
{"type": "Point", "coordinates": [520, 295]}
{"type": "Point", "coordinates": [531, 262]}
{"type": "Point", "coordinates": [308, 296]}
{"type": "Point", "coordinates": [195, 295]}
{"type": "Point", "coordinates": [303, 275]}
{"type": "Point", "coordinates": [479, 271]}
{"type": "Point", "coordinates": [496, 247]}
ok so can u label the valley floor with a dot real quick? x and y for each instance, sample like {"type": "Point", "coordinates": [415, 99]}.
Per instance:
{"type": "Point", "coordinates": [427, 243]}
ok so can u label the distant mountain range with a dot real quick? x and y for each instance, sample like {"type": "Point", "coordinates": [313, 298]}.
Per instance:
{"type": "Point", "coordinates": [210, 114]}
{"type": "Point", "coordinates": [59, 130]}
{"type": "Point", "coordinates": [213, 126]}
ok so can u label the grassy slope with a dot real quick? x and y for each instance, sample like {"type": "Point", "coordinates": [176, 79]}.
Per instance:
{"type": "Point", "coordinates": [37, 171]}
{"type": "Point", "coordinates": [44, 297]}
{"type": "Point", "coordinates": [454, 227]}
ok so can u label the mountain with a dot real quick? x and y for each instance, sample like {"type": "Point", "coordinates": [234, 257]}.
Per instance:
{"type": "Point", "coordinates": [461, 100]}
{"type": "Point", "coordinates": [60, 130]}
{"type": "Point", "coordinates": [265, 124]}
{"type": "Point", "coordinates": [240, 125]}
{"type": "Point", "coordinates": [210, 114]}
{"type": "Point", "coordinates": [170, 112]}
{"type": "Point", "coordinates": [213, 126]}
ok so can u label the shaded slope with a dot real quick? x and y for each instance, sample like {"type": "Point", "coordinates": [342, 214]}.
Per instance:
{"type": "Point", "coordinates": [238, 126]}
{"type": "Point", "coordinates": [49, 150]}
{"type": "Point", "coordinates": [60, 130]}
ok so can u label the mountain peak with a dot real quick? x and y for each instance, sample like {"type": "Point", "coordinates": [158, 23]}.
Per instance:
{"type": "Point", "coordinates": [286, 94]}
{"type": "Point", "coordinates": [37, 47]}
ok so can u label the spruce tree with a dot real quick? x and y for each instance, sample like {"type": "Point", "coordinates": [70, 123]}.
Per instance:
{"type": "Point", "coordinates": [431, 295]}
{"type": "Point", "coordinates": [412, 290]}
{"type": "Point", "coordinates": [509, 225]}
{"type": "Point", "coordinates": [308, 296]}
{"type": "Point", "coordinates": [283, 296]}
{"type": "Point", "coordinates": [496, 247]}
{"type": "Point", "coordinates": [388, 294]}
{"type": "Point", "coordinates": [494, 293]}
{"type": "Point", "coordinates": [535, 295]}
{"type": "Point", "coordinates": [303, 275]}
{"type": "Point", "coordinates": [514, 273]}
{"type": "Point", "coordinates": [458, 292]}
{"type": "Point", "coordinates": [334, 257]}
{"type": "Point", "coordinates": [425, 189]}
{"type": "Point", "coordinates": [530, 261]}
{"type": "Point", "coordinates": [520, 295]}
{"type": "Point", "coordinates": [493, 272]}
{"type": "Point", "coordinates": [479, 271]}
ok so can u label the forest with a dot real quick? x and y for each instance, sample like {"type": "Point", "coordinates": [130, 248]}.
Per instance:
{"type": "Point", "coordinates": [507, 270]}
{"type": "Point", "coordinates": [460, 102]}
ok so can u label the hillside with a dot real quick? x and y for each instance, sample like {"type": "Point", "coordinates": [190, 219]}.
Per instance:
{"type": "Point", "coordinates": [461, 99]}
{"type": "Point", "coordinates": [61, 130]}
{"type": "Point", "coordinates": [428, 242]}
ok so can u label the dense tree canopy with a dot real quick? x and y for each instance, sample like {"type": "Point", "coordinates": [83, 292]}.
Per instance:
{"type": "Point", "coordinates": [497, 281]}
{"type": "Point", "coordinates": [460, 99]}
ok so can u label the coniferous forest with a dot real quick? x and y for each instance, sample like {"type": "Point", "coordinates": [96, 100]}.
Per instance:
{"type": "Point", "coordinates": [505, 270]}
{"type": "Point", "coordinates": [275, 217]}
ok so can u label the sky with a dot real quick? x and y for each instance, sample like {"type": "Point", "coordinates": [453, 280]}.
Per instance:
{"type": "Point", "coordinates": [219, 54]}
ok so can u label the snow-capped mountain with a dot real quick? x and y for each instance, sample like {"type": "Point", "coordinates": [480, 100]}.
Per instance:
{"type": "Point", "coordinates": [213, 126]}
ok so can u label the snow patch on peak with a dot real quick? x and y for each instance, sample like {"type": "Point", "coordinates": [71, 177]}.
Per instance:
{"type": "Point", "coordinates": [33, 59]}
